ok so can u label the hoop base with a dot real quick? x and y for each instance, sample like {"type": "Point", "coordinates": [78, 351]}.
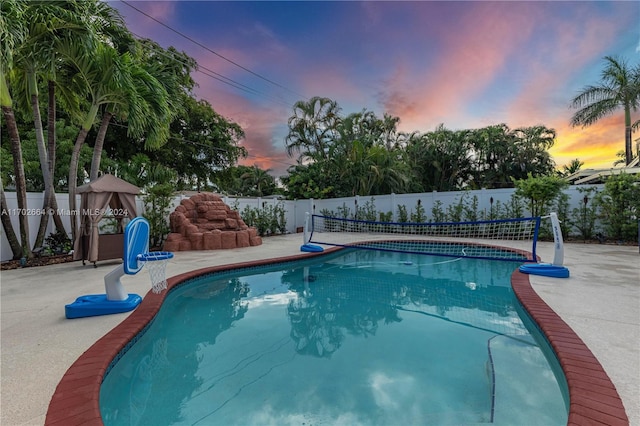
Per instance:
{"type": "Point", "coordinates": [311, 248]}
{"type": "Point", "coordinates": [97, 304]}
{"type": "Point", "coordinates": [545, 269]}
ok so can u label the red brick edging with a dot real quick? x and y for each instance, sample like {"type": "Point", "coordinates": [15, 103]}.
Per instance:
{"type": "Point", "coordinates": [593, 397]}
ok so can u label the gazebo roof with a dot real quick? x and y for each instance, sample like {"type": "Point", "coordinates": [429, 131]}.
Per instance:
{"type": "Point", "coordinates": [108, 183]}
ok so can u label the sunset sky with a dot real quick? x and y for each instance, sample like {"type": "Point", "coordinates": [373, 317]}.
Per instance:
{"type": "Point", "coordinates": [463, 64]}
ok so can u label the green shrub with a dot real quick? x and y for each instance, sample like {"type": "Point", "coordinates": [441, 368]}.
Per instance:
{"type": "Point", "coordinates": [403, 217]}
{"type": "Point", "coordinates": [419, 216]}
{"type": "Point", "coordinates": [386, 217]}
{"type": "Point", "coordinates": [471, 210]}
{"type": "Point", "coordinates": [619, 206]}
{"type": "Point", "coordinates": [268, 220]}
{"type": "Point", "coordinates": [157, 201]}
{"type": "Point", "coordinates": [584, 218]}
{"type": "Point", "coordinates": [57, 243]}
{"type": "Point", "coordinates": [540, 191]}
{"type": "Point", "coordinates": [437, 212]}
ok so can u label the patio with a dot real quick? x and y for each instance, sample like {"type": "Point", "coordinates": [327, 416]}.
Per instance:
{"type": "Point", "coordinates": [600, 302]}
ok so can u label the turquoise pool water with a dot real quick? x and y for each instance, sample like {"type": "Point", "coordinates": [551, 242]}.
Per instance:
{"type": "Point", "coordinates": [356, 337]}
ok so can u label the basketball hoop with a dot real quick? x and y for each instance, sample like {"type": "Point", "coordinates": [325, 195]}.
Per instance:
{"type": "Point", "coordinates": [156, 263]}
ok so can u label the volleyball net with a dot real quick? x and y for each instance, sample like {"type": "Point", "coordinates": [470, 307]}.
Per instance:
{"type": "Point", "coordinates": [479, 239]}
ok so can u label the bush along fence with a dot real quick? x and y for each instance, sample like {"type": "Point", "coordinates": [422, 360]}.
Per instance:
{"type": "Point", "coordinates": [610, 212]}
{"type": "Point", "coordinates": [605, 213]}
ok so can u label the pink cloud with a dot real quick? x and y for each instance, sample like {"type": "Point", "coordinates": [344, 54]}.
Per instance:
{"type": "Point", "coordinates": [263, 140]}
{"type": "Point", "coordinates": [456, 61]}
{"type": "Point", "coordinates": [554, 68]}
{"type": "Point", "coordinates": [472, 55]}
{"type": "Point", "coordinates": [549, 74]}
{"type": "Point", "coordinates": [141, 24]}
{"type": "Point", "coordinates": [330, 82]}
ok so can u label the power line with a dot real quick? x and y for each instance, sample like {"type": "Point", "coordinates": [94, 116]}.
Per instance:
{"type": "Point", "coordinates": [216, 76]}
{"type": "Point", "coordinates": [212, 51]}
{"type": "Point", "coordinates": [113, 123]}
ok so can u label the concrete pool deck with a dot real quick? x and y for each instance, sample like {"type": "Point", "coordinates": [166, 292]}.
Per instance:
{"type": "Point", "coordinates": [600, 302]}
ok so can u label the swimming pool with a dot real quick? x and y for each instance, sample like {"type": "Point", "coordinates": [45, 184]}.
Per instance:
{"type": "Point", "coordinates": [355, 337]}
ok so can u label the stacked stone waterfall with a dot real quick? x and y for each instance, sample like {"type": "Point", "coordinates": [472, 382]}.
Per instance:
{"type": "Point", "coordinates": [205, 222]}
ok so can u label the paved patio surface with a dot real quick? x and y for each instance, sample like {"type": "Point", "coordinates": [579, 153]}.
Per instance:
{"type": "Point", "coordinates": [601, 302]}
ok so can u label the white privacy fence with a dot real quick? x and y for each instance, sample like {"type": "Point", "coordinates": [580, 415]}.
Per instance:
{"type": "Point", "coordinates": [487, 199]}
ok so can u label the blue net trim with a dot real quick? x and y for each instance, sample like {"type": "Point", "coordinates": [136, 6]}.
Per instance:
{"type": "Point", "coordinates": [155, 255]}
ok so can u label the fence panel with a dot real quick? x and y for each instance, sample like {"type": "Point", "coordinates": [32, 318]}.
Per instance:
{"type": "Point", "coordinates": [488, 199]}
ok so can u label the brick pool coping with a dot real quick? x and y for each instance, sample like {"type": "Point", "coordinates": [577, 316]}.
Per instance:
{"type": "Point", "coordinates": [593, 398]}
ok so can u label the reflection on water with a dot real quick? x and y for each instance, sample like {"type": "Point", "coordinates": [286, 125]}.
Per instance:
{"type": "Point", "coordinates": [142, 380]}
{"type": "Point", "coordinates": [359, 337]}
{"type": "Point", "coordinates": [356, 293]}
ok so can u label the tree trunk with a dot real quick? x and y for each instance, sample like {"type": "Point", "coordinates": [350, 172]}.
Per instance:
{"type": "Point", "coordinates": [73, 180]}
{"type": "Point", "coordinates": [97, 149]}
{"type": "Point", "coordinates": [21, 184]}
{"type": "Point", "coordinates": [73, 167]}
{"type": "Point", "coordinates": [628, 148]}
{"type": "Point", "coordinates": [51, 145]}
{"type": "Point", "coordinates": [16, 249]}
{"type": "Point", "coordinates": [44, 167]}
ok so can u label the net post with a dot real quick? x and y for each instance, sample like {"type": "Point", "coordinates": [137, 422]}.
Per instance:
{"type": "Point", "coordinates": [305, 233]}
{"type": "Point", "coordinates": [536, 233]}
{"type": "Point", "coordinates": [558, 243]}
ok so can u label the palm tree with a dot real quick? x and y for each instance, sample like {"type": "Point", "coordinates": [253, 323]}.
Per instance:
{"type": "Point", "coordinates": [145, 107]}
{"type": "Point", "coordinates": [619, 87]}
{"type": "Point", "coordinates": [160, 79]}
{"type": "Point", "coordinates": [99, 77]}
{"type": "Point", "coordinates": [87, 28]}
{"type": "Point", "coordinates": [14, 243]}
{"type": "Point", "coordinates": [47, 25]}
{"type": "Point", "coordinates": [387, 174]}
{"type": "Point", "coordinates": [440, 159]}
{"type": "Point", "coordinates": [13, 33]}
{"type": "Point", "coordinates": [574, 166]}
{"type": "Point", "coordinates": [312, 127]}
{"type": "Point", "coordinates": [257, 180]}
{"type": "Point", "coordinates": [34, 61]}
{"type": "Point", "coordinates": [530, 151]}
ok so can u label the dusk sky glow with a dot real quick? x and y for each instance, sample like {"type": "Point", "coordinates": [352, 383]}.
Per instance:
{"type": "Point", "coordinates": [463, 64]}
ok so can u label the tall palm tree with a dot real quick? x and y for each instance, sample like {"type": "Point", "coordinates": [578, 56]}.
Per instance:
{"type": "Point", "coordinates": [13, 33]}
{"type": "Point", "coordinates": [98, 75]}
{"type": "Point", "coordinates": [34, 61]}
{"type": "Point", "coordinates": [48, 24]}
{"type": "Point", "coordinates": [619, 88]}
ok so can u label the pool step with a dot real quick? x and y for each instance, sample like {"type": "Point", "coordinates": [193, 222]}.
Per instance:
{"type": "Point", "coordinates": [520, 388]}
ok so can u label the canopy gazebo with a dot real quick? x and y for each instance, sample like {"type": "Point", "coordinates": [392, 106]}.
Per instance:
{"type": "Point", "coordinates": [107, 194]}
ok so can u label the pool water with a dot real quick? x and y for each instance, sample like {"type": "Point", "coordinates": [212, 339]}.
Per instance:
{"type": "Point", "coordinates": [356, 337]}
